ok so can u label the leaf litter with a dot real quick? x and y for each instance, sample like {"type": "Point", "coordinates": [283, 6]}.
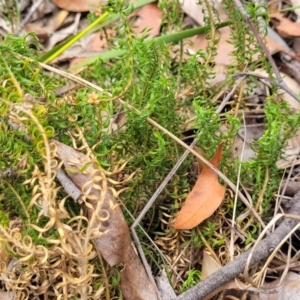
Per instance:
{"type": "Point", "coordinates": [286, 28]}
{"type": "Point", "coordinates": [205, 197]}
{"type": "Point", "coordinates": [108, 227]}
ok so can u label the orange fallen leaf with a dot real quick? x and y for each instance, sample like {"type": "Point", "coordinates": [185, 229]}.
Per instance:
{"type": "Point", "coordinates": [77, 5]}
{"type": "Point", "coordinates": [149, 16]}
{"type": "Point", "coordinates": [284, 26]}
{"type": "Point", "coordinates": [41, 32]}
{"type": "Point", "coordinates": [200, 163]}
{"type": "Point", "coordinates": [205, 197]}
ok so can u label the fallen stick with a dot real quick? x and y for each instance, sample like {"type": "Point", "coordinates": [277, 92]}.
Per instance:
{"type": "Point", "coordinates": [236, 267]}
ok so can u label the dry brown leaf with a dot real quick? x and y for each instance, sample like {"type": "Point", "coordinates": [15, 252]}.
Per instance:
{"type": "Point", "coordinates": [284, 26]}
{"type": "Point", "coordinates": [273, 46]}
{"type": "Point", "coordinates": [205, 197]}
{"type": "Point", "coordinates": [276, 43]}
{"type": "Point", "coordinates": [74, 62]}
{"type": "Point", "coordinates": [280, 290]}
{"type": "Point", "coordinates": [290, 290]}
{"type": "Point", "coordinates": [77, 5]}
{"type": "Point", "coordinates": [209, 265]}
{"type": "Point", "coordinates": [149, 16]}
{"type": "Point", "coordinates": [41, 32]}
{"type": "Point", "coordinates": [224, 51]}
{"type": "Point", "coordinates": [225, 48]}
{"type": "Point", "coordinates": [200, 163]}
{"type": "Point", "coordinates": [290, 151]}
{"type": "Point", "coordinates": [114, 242]}
{"type": "Point", "coordinates": [44, 32]}
{"type": "Point", "coordinates": [195, 10]}
{"type": "Point", "coordinates": [296, 45]}
{"type": "Point", "coordinates": [98, 41]}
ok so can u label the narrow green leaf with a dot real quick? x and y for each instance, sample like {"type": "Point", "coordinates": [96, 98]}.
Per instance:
{"type": "Point", "coordinates": [171, 38]}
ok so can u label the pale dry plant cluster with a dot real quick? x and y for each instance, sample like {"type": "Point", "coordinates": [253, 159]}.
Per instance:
{"type": "Point", "coordinates": [62, 268]}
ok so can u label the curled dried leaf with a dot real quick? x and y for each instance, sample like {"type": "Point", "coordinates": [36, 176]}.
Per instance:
{"type": "Point", "coordinates": [205, 197]}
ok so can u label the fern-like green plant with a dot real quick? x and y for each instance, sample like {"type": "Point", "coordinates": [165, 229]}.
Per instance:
{"type": "Point", "coordinates": [35, 214]}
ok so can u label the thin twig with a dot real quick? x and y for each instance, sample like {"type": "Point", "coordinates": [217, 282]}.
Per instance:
{"type": "Point", "coordinates": [150, 239]}
{"type": "Point", "coordinates": [263, 250]}
{"type": "Point", "coordinates": [233, 220]}
{"type": "Point", "coordinates": [276, 83]}
{"type": "Point", "coordinates": [230, 94]}
{"type": "Point", "coordinates": [69, 186]}
{"type": "Point", "coordinates": [150, 203]}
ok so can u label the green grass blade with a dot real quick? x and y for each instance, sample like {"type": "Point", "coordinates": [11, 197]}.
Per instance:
{"type": "Point", "coordinates": [101, 22]}
{"type": "Point", "coordinates": [171, 38]}
{"type": "Point", "coordinates": [76, 38]}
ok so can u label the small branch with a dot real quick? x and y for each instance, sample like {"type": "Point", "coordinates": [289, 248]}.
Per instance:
{"type": "Point", "coordinates": [165, 289]}
{"type": "Point", "coordinates": [264, 48]}
{"type": "Point", "coordinates": [150, 203]}
{"type": "Point", "coordinates": [236, 267]}
{"type": "Point", "coordinates": [281, 85]}
{"type": "Point", "coordinates": [69, 186]}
